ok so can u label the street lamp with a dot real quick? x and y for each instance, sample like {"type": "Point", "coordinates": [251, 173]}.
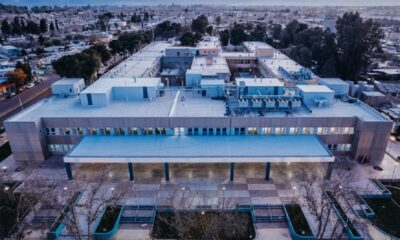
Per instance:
{"type": "Point", "coordinates": [294, 191]}
{"type": "Point", "coordinates": [394, 170]}
{"type": "Point", "coordinates": [392, 139]}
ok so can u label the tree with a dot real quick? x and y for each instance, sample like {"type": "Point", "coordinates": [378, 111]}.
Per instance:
{"type": "Point", "coordinates": [167, 30]}
{"type": "Point", "coordinates": [32, 28]}
{"type": "Point", "coordinates": [290, 31]}
{"type": "Point", "coordinates": [52, 28]}
{"type": "Point", "coordinates": [200, 24]}
{"type": "Point", "coordinates": [82, 65]}
{"type": "Point", "coordinates": [116, 46]}
{"type": "Point", "coordinates": [16, 26]}
{"type": "Point", "coordinates": [226, 224]}
{"type": "Point", "coordinates": [259, 33]}
{"type": "Point", "coordinates": [56, 21]}
{"type": "Point", "coordinates": [6, 27]}
{"type": "Point", "coordinates": [97, 195]}
{"type": "Point", "coordinates": [146, 17]}
{"type": "Point", "coordinates": [26, 67]}
{"type": "Point", "coordinates": [238, 34]}
{"type": "Point", "coordinates": [100, 49]}
{"type": "Point", "coordinates": [209, 30]}
{"type": "Point", "coordinates": [134, 18]}
{"type": "Point", "coordinates": [315, 201]}
{"type": "Point", "coordinates": [188, 39]}
{"type": "Point", "coordinates": [19, 202]}
{"type": "Point", "coordinates": [358, 43]}
{"type": "Point", "coordinates": [41, 40]}
{"type": "Point", "coordinates": [224, 37]}
{"type": "Point", "coordinates": [43, 25]}
{"type": "Point", "coordinates": [218, 20]}
{"type": "Point", "coordinates": [18, 77]}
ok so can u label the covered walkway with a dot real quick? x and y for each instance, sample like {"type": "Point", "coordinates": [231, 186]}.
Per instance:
{"type": "Point", "coordinates": [198, 149]}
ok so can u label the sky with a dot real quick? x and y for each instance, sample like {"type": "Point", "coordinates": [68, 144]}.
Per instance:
{"type": "Point", "coordinates": [221, 2]}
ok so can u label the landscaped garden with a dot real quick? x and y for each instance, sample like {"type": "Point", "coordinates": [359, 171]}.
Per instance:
{"type": "Point", "coordinates": [109, 219]}
{"type": "Point", "coordinates": [224, 225]}
{"type": "Point", "coordinates": [12, 207]}
{"type": "Point", "coordinates": [387, 210]}
{"type": "Point", "coordinates": [298, 220]}
{"type": "Point", "coordinates": [5, 151]}
{"type": "Point", "coordinates": [342, 214]}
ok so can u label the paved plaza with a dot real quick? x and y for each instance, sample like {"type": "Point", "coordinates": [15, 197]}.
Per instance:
{"type": "Point", "coordinates": [209, 184]}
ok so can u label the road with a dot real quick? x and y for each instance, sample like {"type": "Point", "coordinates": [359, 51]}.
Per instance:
{"type": "Point", "coordinates": [28, 97]}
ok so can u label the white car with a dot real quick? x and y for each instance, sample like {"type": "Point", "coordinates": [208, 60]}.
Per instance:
{"type": "Point", "coordinates": [30, 85]}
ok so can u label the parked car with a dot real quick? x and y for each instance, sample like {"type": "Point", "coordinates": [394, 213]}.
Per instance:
{"type": "Point", "coordinates": [30, 85]}
{"type": "Point", "coordinates": [11, 94]}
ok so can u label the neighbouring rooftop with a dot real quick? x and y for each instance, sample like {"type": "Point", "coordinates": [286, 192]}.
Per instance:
{"type": "Point", "coordinates": [260, 82]}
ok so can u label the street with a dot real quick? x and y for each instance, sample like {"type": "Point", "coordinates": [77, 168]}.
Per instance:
{"type": "Point", "coordinates": [11, 106]}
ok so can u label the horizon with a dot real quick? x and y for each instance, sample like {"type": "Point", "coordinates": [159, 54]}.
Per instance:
{"type": "Point", "coordinates": [284, 3]}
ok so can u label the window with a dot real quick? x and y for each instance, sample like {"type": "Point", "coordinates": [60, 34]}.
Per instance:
{"type": "Point", "coordinates": [67, 131]}
{"type": "Point", "coordinates": [89, 99]}
{"type": "Point", "coordinates": [122, 131]}
{"type": "Point", "coordinates": [224, 131]}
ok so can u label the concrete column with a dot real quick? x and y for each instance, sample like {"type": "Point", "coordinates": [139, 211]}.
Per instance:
{"type": "Point", "coordinates": [267, 171]}
{"type": "Point", "coordinates": [68, 170]}
{"type": "Point", "coordinates": [166, 171]}
{"type": "Point", "coordinates": [329, 170]}
{"type": "Point", "coordinates": [130, 170]}
{"type": "Point", "coordinates": [232, 171]}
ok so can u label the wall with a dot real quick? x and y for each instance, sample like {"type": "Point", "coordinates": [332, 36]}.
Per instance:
{"type": "Point", "coordinates": [370, 140]}
{"type": "Point", "coordinates": [28, 142]}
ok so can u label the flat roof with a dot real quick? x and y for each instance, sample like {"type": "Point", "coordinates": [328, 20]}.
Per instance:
{"type": "Point", "coordinates": [105, 84]}
{"type": "Point", "coordinates": [260, 82]}
{"type": "Point", "coordinates": [253, 45]}
{"type": "Point", "coordinates": [194, 105]}
{"type": "Point", "coordinates": [67, 81]}
{"type": "Point", "coordinates": [199, 149]}
{"type": "Point", "coordinates": [373, 94]}
{"type": "Point", "coordinates": [333, 81]}
{"type": "Point", "coordinates": [218, 64]}
{"type": "Point", "coordinates": [141, 62]}
{"type": "Point", "coordinates": [315, 89]}
{"type": "Point", "coordinates": [212, 82]}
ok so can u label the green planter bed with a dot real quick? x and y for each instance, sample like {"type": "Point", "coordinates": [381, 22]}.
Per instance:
{"type": "Point", "coordinates": [109, 223]}
{"type": "Point", "coordinates": [298, 225]}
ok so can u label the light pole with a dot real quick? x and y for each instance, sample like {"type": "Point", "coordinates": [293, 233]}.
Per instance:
{"type": "Point", "coordinates": [391, 139]}
{"type": "Point", "coordinates": [223, 197]}
{"type": "Point", "coordinates": [294, 191]}
{"type": "Point", "coordinates": [394, 170]}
